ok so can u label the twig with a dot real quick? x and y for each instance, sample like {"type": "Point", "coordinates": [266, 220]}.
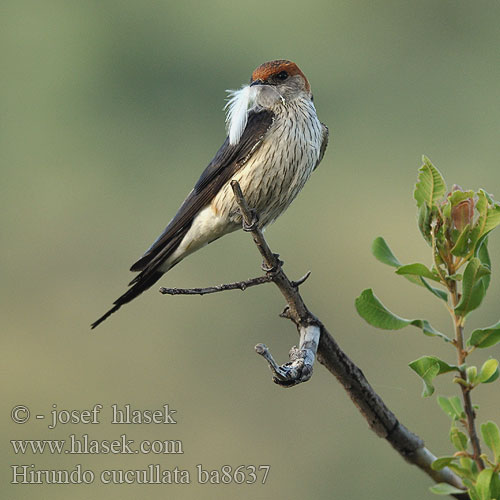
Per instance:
{"type": "Point", "coordinates": [298, 311]}
{"type": "Point", "coordinates": [470, 414]}
{"type": "Point", "coordinates": [299, 282]}
{"type": "Point", "coordinates": [239, 285]}
{"type": "Point", "coordinates": [380, 419]}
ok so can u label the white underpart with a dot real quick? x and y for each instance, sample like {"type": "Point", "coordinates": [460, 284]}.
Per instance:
{"type": "Point", "coordinates": [207, 226]}
{"type": "Point", "coordinates": [237, 107]}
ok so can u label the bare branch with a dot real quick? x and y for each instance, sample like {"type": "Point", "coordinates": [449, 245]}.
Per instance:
{"type": "Point", "coordinates": [298, 311]}
{"type": "Point", "coordinates": [380, 419]}
{"type": "Point", "coordinates": [239, 285]}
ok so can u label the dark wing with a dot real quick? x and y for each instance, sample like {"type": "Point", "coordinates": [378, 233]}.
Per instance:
{"type": "Point", "coordinates": [228, 160]}
{"type": "Point", "coordinates": [324, 144]}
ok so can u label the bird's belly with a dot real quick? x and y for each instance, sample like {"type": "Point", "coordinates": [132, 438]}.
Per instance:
{"type": "Point", "coordinates": [206, 227]}
{"type": "Point", "coordinates": [271, 179]}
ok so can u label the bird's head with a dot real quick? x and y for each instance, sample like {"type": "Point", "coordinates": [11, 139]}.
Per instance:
{"type": "Point", "coordinates": [283, 77]}
{"type": "Point", "coordinates": [273, 84]}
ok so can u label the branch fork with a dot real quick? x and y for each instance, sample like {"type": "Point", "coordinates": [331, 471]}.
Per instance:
{"type": "Point", "coordinates": [316, 342]}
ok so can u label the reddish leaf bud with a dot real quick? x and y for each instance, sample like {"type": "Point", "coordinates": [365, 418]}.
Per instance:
{"type": "Point", "coordinates": [463, 213]}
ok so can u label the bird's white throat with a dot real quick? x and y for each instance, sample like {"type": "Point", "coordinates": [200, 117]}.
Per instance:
{"type": "Point", "coordinates": [238, 104]}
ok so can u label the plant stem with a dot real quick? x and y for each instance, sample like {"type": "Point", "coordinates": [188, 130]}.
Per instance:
{"type": "Point", "coordinates": [468, 408]}
{"type": "Point", "coordinates": [435, 251]}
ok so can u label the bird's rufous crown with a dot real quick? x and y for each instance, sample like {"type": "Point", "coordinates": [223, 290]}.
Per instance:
{"type": "Point", "coordinates": [264, 71]}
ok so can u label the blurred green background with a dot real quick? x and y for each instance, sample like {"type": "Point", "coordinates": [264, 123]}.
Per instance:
{"type": "Point", "coordinates": [110, 110]}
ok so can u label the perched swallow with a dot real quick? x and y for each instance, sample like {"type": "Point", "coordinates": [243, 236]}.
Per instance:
{"type": "Point", "coordinates": [275, 141]}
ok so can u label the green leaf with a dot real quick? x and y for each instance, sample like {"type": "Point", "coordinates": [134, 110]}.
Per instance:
{"type": "Point", "coordinates": [473, 287]}
{"type": "Point", "coordinates": [456, 403]}
{"type": "Point", "coordinates": [483, 484]}
{"type": "Point", "coordinates": [458, 439]}
{"type": "Point", "coordinates": [468, 464]}
{"type": "Point", "coordinates": [492, 218]}
{"type": "Point", "coordinates": [446, 211]}
{"type": "Point", "coordinates": [491, 436]}
{"type": "Point", "coordinates": [489, 217]}
{"type": "Point", "coordinates": [382, 252]}
{"type": "Point", "coordinates": [471, 374]}
{"type": "Point", "coordinates": [456, 197]}
{"type": "Point", "coordinates": [473, 493]}
{"type": "Point", "coordinates": [461, 247]}
{"type": "Point", "coordinates": [430, 186]}
{"type": "Point", "coordinates": [495, 486]}
{"type": "Point", "coordinates": [442, 462]}
{"type": "Point", "coordinates": [452, 407]}
{"type": "Point", "coordinates": [429, 367]}
{"type": "Point", "coordinates": [419, 280]}
{"type": "Point", "coordinates": [485, 337]}
{"type": "Point", "coordinates": [482, 209]}
{"type": "Point", "coordinates": [488, 370]}
{"type": "Point", "coordinates": [427, 329]}
{"type": "Point", "coordinates": [467, 482]}
{"type": "Point", "coordinates": [482, 252]}
{"type": "Point", "coordinates": [483, 255]}
{"type": "Point", "coordinates": [493, 377]}
{"type": "Point", "coordinates": [460, 471]}
{"type": "Point", "coordinates": [417, 270]}
{"type": "Point", "coordinates": [427, 370]}
{"type": "Point", "coordinates": [441, 294]}
{"type": "Point", "coordinates": [376, 314]}
{"type": "Point", "coordinates": [447, 407]}
{"type": "Point", "coordinates": [445, 489]}
{"type": "Point", "coordinates": [424, 222]}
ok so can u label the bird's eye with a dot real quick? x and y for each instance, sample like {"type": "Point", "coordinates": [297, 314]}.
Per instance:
{"type": "Point", "coordinates": [282, 75]}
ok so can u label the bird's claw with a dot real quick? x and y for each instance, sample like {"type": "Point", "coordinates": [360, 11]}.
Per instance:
{"type": "Point", "coordinates": [275, 268]}
{"type": "Point", "coordinates": [254, 224]}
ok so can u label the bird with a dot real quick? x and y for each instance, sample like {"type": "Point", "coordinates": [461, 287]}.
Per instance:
{"type": "Point", "coordinates": [274, 142]}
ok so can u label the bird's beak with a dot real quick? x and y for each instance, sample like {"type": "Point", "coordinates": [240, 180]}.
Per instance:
{"type": "Point", "coordinates": [257, 82]}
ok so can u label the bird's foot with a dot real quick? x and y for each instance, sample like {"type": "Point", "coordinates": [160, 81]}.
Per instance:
{"type": "Point", "coordinates": [275, 268]}
{"type": "Point", "coordinates": [254, 224]}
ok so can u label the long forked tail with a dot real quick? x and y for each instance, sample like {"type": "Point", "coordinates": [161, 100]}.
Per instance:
{"type": "Point", "coordinates": [142, 282]}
